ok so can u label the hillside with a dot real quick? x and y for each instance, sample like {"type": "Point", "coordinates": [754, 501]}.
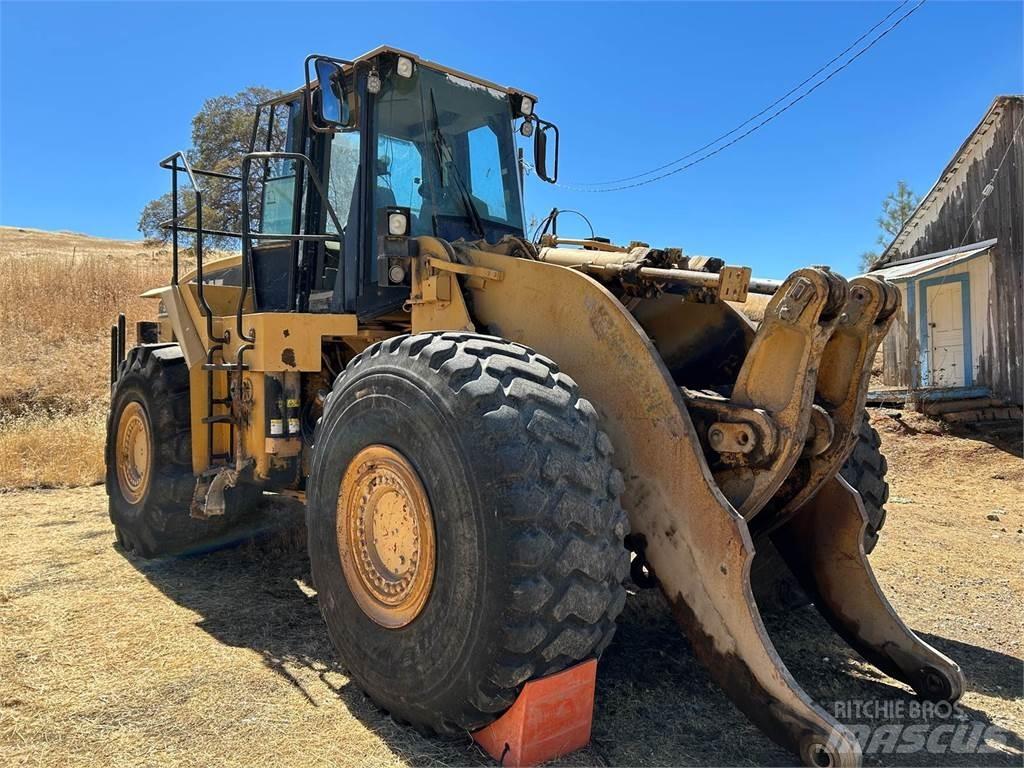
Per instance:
{"type": "Point", "coordinates": [59, 294]}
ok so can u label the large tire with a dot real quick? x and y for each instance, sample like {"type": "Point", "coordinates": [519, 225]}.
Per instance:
{"type": "Point", "coordinates": [153, 382]}
{"type": "Point", "coordinates": [865, 471]}
{"type": "Point", "coordinates": [528, 528]}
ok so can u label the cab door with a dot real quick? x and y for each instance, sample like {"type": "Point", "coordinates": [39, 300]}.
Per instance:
{"type": "Point", "coordinates": [274, 262]}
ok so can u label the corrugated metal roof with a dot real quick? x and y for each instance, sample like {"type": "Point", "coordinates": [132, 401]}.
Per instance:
{"type": "Point", "coordinates": [920, 265]}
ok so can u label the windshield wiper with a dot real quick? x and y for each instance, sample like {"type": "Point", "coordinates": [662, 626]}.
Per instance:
{"type": "Point", "coordinates": [441, 146]}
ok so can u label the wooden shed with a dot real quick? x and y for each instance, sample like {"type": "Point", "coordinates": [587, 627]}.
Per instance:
{"type": "Point", "coordinates": [957, 261]}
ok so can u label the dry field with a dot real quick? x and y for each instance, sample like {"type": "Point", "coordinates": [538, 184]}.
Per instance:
{"type": "Point", "coordinates": [222, 659]}
{"type": "Point", "coordinates": [59, 294]}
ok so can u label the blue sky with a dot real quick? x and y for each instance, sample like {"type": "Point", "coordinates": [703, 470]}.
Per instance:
{"type": "Point", "coordinates": [94, 94]}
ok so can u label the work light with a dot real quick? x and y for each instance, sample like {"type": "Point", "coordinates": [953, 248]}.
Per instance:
{"type": "Point", "coordinates": [398, 224]}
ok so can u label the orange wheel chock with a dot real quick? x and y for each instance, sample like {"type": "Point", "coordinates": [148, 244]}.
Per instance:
{"type": "Point", "coordinates": [550, 718]}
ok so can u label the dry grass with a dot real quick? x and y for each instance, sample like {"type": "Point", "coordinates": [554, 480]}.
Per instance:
{"type": "Point", "coordinates": [59, 294]}
{"type": "Point", "coordinates": [223, 659]}
{"type": "Point", "coordinates": [52, 450]}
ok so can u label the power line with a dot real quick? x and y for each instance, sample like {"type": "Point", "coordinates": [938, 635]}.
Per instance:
{"type": "Point", "coordinates": [992, 181]}
{"type": "Point", "coordinates": [750, 119]}
{"type": "Point", "coordinates": [759, 125]}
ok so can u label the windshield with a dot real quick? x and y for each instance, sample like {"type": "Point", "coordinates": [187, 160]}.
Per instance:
{"type": "Point", "coordinates": [445, 150]}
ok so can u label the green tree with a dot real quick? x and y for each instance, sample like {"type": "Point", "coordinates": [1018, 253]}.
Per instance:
{"type": "Point", "coordinates": [897, 207]}
{"type": "Point", "coordinates": [221, 132]}
{"type": "Point", "coordinates": [868, 260]}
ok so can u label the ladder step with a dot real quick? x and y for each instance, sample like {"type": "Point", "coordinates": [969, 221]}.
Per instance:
{"type": "Point", "coordinates": [222, 418]}
{"type": "Point", "coordinates": [221, 401]}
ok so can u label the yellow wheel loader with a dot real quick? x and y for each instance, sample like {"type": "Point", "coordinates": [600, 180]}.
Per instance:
{"type": "Point", "coordinates": [491, 432]}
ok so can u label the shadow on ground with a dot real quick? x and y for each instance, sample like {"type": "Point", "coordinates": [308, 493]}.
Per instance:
{"type": "Point", "coordinates": [1006, 435]}
{"type": "Point", "coordinates": [655, 704]}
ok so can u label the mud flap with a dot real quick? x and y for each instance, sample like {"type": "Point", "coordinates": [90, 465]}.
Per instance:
{"type": "Point", "coordinates": [823, 544]}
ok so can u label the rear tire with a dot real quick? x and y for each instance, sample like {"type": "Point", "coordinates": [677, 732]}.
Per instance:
{"type": "Point", "coordinates": [527, 525]}
{"type": "Point", "coordinates": [150, 507]}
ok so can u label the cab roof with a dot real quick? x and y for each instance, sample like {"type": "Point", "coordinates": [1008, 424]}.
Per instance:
{"type": "Point", "coordinates": [387, 49]}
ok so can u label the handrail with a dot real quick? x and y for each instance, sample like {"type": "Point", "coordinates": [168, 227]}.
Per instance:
{"type": "Point", "coordinates": [248, 235]}
{"type": "Point", "coordinates": [171, 163]}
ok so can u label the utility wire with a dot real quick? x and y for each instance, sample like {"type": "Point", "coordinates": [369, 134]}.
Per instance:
{"type": "Point", "coordinates": [984, 197]}
{"type": "Point", "coordinates": [752, 118]}
{"type": "Point", "coordinates": [756, 127]}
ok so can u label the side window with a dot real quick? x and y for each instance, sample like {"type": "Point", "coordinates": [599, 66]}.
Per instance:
{"type": "Point", "coordinates": [399, 175]}
{"type": "Point", "coordinates": [279, 201]}
{"type": "Point", "coordinates": [341, 182]}
{"type": "Point", "coordinates": [485, 169]}
{"type": "Point", "coordinates": [279, 189]}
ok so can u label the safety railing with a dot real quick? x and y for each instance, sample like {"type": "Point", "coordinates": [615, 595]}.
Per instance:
{"type": "Point", "coordinates": [171, 163]}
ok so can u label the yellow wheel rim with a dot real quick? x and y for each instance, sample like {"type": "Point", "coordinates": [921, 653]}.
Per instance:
{"type": "Point", "coordinates": [386, 536]}
{"type": "Point", "coordinates": [132, 453]}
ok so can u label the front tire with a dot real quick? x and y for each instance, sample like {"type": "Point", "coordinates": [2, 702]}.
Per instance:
{"type": "Point", "coordinates": [865, 471]}
{"type": "Point", "coordinates": [518, 488]}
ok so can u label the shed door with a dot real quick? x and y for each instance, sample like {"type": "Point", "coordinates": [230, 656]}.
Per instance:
{"type": "Point", "coordinates": [946, 335]}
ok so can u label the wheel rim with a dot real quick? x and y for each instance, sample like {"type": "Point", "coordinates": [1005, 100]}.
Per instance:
{"type": "Point", "coordinates": [132, 453]}
{"type": "Point", "coordinates": [386, 536]}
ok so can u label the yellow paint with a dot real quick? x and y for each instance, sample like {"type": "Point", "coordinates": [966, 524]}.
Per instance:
{"type": "Point", "coordinates": [290, 341]}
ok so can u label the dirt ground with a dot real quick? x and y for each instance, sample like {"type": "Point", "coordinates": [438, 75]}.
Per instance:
{"type": "Point", "coordinates": [223, 659]}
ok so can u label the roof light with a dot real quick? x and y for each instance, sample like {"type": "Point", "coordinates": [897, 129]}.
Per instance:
{"type": "Point", "coordinates": [404, 68]}
{"type": "Point", "coordinates": [526, 106]}
{"type": "Point", "coordinates": [526, 128]}
{"type": "Point", "coordinates": [373, 81]}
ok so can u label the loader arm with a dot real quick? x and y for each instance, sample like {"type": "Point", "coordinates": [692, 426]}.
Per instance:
{"type": "Point", "coordinates": [697, 542]}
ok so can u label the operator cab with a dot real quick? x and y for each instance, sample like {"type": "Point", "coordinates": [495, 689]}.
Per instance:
{"type": "Point", "coordinates": [397, 148]}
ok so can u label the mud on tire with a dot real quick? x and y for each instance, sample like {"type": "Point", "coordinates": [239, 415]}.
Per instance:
{"type": "Point", "coordinates": [528, 526]}
{"type": "Point", "coordinates": [155, 376]}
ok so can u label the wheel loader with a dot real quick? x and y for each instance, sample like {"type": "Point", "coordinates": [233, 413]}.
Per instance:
{"type": "Point", "coordinates": [491, 432]}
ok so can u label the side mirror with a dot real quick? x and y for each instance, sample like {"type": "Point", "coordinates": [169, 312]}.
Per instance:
{"type": "Point", "coordinates": [540, 150]}
{"type": "Point", "coordinates": [329, 107]}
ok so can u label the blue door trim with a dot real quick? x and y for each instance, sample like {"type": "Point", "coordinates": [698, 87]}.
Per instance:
{"type": "Point", "coordinates": [911, 301]}
{"type": "Point", "coordinates": [965, 307]}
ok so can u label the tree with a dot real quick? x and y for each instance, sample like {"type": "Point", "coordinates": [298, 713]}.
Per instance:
{"type": "Point", "coordinates": [221, 132]}
{"type": "Point", "coordinates": [868, 260]}
{"type": "Point", "coordinates": [897, 207]}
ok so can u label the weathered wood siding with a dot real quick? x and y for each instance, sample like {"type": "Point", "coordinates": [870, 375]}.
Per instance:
{"type": "Point", "coordinates": [947, 220]}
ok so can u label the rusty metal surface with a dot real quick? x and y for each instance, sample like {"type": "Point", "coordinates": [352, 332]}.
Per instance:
{"type": "Point", "coordinates": [841, 390]}
{"type": "Point", "coordinates": [779, 376]}
{"type": "Point", "coordinates": [696, 542]}
{"type": "Point", "coordinates": [386, 536]}
{"type": "Point", "coordinates": [824, 547]}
